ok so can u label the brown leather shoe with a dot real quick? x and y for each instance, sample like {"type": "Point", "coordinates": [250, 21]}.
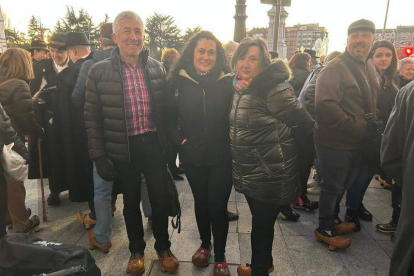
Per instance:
{"type": "Point", "coordinates": [344, 227]}
{"type": "Point", "coordinates": [246, 270]}
{"type": "Point", "coordinates": [86, 220]}
{"type": "Point", "coordinates": [221, 269]}
{"type": "Point", "coordinates": [201, 256]}
{"type": "Point", "coordinates": [103, 247]}
{"type": "Point", "coordinates": [168, 261]}
{"type": "Point", "coordinates": [334, 242]}
{"type": "Point", "coordinates": [136, 264]}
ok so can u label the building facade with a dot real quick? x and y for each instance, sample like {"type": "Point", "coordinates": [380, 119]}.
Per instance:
{"type": "Point", "coordinates": [306, 36]}
{"type": "Point", "coordinates": [3, 45]}
{"type": "Point", "coordinates": [401, 36]}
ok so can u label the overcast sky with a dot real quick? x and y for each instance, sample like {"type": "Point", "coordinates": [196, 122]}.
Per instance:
{"type": "Point", "coordinates": [217, 15]}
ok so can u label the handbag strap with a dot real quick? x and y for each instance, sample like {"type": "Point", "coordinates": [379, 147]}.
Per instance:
{"type": "Point", "coordinates": [363, 86]}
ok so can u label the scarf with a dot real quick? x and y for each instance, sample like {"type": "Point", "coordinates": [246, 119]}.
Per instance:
{"type": "Point", "coordinates": [239, 84]}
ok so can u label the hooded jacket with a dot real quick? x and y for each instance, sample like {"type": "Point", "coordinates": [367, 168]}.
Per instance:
{"type": "Point", "coordinates": [268, 127]}
{"type": "Point", "coordinates": [104, 107]}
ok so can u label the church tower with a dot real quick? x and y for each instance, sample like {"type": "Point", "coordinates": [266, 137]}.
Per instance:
{"type": "Point", "coordinates": [240, 20]}
{"type": "Point", "coordinates": [3, 45]}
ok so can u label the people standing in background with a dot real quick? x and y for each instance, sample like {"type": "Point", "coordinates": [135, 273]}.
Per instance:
{"type": "Point", "coordinates": [405, 72]}
{"type": "Point", "coordinates": [300, 65]}
{"type": "Point", "coordinates": [38, 49]}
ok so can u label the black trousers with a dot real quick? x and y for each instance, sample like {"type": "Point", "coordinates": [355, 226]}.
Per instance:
{"type": "Point", "coordinates": [211, 187]}
{"type": "Point", "coordinates": [264, 216]}
{"type": "Point", "coordinates": [3, 204]}
{"type": "Point", "coordinates": [146, 157]}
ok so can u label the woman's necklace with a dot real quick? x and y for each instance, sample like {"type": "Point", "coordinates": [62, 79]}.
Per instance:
{"type": "Point", "coordinates": [202, 73]}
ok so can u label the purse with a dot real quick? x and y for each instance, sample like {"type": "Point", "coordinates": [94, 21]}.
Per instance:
{"type": "Point", "coordinates": [14, 165]}
{"type": "Point", "coordinates": [371, 144]}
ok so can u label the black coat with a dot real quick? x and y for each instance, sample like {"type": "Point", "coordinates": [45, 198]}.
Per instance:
{"type": "Point", "coordinates": [297, 80]}
{"type": "Point", "coordinates": [199, 113]}
{"type": "Point", "coordinates": [70, 136]}
{"type": "Point", "coordinates": [397, 159]}
{"type": "Point", "coordinates": [307, 95]}
{"type": "Point", "coordinates": [385, 102]}
{"type": "Point", "coordinates": [104, 106]}
{"type": "Point", "coordinates": [268, 127]}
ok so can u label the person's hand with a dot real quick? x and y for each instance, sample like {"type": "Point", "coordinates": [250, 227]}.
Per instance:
{"type": "Point", "coordinates": [183, 142]}
{"type": "Point", "coordinates": [105, 169]}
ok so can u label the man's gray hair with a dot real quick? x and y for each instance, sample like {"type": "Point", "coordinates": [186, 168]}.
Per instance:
{"type": "Point", "coordinates": [123, 15]}
{"type": "Point", "coordinates": [404, 61]}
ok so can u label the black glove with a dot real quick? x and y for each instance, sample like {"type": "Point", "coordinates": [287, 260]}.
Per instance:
{"type": "Point", "coordinates": [105, 169]}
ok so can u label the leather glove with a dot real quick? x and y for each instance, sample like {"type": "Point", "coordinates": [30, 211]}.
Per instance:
{"type": "Point", "coordinates": [105, 169]}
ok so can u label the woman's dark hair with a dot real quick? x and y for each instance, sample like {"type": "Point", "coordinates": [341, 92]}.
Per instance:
{"type": "Point", "coordinates": [244, 47]}
{"type": "Point", "coordinates": [391, 71]}
{"type": "Point", "coordinates": [187, 54]}
{"type": "Point", "coordinates": [300, 61]}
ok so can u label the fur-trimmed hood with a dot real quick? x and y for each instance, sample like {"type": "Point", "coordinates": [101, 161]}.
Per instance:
{"type": "Point", "coordinates": [276, 73]}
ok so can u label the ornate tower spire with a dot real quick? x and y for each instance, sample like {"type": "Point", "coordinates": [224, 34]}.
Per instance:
{"type": "Point", "coordinates": [240, 20]}
{"type": "Point", "coordinates": [3, 45]}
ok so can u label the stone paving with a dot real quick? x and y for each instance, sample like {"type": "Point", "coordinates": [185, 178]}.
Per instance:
{"type": "Point", "coordinates": [295, 249]}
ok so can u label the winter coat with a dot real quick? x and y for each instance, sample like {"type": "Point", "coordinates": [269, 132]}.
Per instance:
{"type": "Point", "coordinates": [17, 102]}
{"type": "Point", "coordinates": [200, 115]}
{"type": "Point", "coordinates": [78, 95]}
{"type": "Point", "coordinates": [397, 159]}
{"type": "Point", "coordinates": [268, 127]}
{"type": "Point", "coordinates": [385, 102]}
{"type": "Point", "coordinates": [307, 95]}
{"type": "Point", "coordinates": [400, 82]}
{"type": "Point", "coordinates": [104, 107]}
{"type": "Point", "coordinates": [8, 135]}
{"type": "Point", "coordinates": [297, 80]}
{"type": "Point", "coordinates": [340, 112]}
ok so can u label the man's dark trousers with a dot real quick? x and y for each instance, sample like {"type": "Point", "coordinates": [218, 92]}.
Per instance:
{"type": "Point", "coordinates": [339, 169]}
{"type": "Point", "coordinates": [146, 156]}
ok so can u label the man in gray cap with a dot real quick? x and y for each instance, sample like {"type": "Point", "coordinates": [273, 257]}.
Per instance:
{"type": "Point", "coordinates": [342, 88]}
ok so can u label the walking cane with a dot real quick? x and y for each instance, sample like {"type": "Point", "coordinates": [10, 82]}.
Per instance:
{"type": "Point", "coordinates": [41, 179]}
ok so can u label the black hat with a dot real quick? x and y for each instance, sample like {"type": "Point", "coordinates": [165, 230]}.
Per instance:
{"type": "Point", "coordinates": [57, 40]}
{"type": "Point", "coordinates": [362, 25]}
{"type": "Point", "coordinates": [76, 38]}
{"type": "Point", "coordinates": [38, 45]}
{"type": "Point", "coordinates": [312, 53]}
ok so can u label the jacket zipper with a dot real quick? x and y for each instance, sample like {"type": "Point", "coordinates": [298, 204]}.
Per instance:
{"type": "Point", "coordinates": [235, 128]}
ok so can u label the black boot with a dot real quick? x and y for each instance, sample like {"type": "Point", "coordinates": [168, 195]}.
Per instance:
{"type": "Point", "coordinates": [364, 214]}
{"type": "Point", "coordinates": [352, 216]}
{"type": "Point", "coordinates": [308, 205]}
{"type": "Point", "coordinates": [232, 216]}
{"type": "Point", "coordinates": [289, 214]}
{"type": "Point", "coordinates": [53, 199]}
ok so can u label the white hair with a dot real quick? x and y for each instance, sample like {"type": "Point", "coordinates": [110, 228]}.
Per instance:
{"type": "Point", "coordinates": [404, 61]}
{"type": "Point", "coordinates": [123, 15]}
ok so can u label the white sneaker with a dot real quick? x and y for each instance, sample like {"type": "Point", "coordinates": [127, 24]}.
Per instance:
{"type": "Point", "coordinates": [314, 190]}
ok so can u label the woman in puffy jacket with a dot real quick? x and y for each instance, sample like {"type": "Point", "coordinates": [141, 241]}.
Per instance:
{"type": "Point", "coordinates": [300, 65]}
{"type": "Point", "coordinates": [268, 128]}
{"type": "Point", "coordinates": [16, 70]}
{"type": "Point", "coordinates": [198, 106]}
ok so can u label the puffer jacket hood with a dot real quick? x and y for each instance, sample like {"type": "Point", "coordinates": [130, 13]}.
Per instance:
{"type": "Point", "coordinates": [102, 54]}
{"type": "Point", "coordinates": [268, 126]}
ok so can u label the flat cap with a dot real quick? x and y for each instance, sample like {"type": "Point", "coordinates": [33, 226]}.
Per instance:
{"type": "Point", "coordinates": [362, 25]}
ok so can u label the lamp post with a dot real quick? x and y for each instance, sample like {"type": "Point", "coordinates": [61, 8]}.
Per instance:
{"type": "Point", "coordinates": [385, 21]}
{"type": "Point", "coordinates": [278, 4]}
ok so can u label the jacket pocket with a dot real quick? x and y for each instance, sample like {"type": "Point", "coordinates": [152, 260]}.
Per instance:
{"type": "Point", "coordinates": [262, 162]}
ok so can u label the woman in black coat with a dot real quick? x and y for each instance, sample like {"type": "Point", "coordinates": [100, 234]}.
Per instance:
{"type": "Point", "coordinates": [300, 66]}
{"type": "Point", "coordinates": [197, 118]}
{"type": "Point", "coordinates": [268, 129]}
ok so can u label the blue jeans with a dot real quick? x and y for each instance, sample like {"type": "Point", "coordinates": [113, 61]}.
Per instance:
{"type": "Point", "coordinates": [102, 200]}
{"type": "Point", "coordinates": [356, 192]}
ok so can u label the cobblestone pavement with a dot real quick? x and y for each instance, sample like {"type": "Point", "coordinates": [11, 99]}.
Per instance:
{"type": "Point", "coordinates": [295, 249]}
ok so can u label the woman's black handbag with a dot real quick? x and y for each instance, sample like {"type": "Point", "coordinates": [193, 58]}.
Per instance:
{"type": "Point", "coordinates": [27, 255]}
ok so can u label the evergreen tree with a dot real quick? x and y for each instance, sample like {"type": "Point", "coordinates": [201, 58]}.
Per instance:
{"type": "Point", "coordinates": [33, 31]}
{"type": "Point", "coordinates": [189, 32]}
{"type": "Point", "coordinates": [161, 32]}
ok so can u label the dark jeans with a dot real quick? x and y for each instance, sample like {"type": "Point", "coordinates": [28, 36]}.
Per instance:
{"type": "Point", "coordinates": [211, 187]}
{"type": "Point", "coordinates": [339, 169]}
{"type": "Point", "coordinates": [3, 204]}
{"type": "Point", "coordinates": [396, 198]}
{"type": "Point", "coordinates": [356, 192]}
{"type": "Point", "coordinates": [264, 216]}
{"type": "Point", "coordinates": [146, 157]}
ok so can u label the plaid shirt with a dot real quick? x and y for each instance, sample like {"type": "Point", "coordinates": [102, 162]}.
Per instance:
{"type": "Point", "coordinates": [138, 109]}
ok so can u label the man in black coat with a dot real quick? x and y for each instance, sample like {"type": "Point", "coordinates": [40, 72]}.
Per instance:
{"type": "Point", "coordinates": [397, 159]}
{"type": "Point", "coordinates": [71, 126]}
{"type": "Point", "coordinates": [46, 79]}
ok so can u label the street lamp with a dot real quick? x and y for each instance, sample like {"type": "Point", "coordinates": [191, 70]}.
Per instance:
{"type": "Point", "coordinates": [278, 4]}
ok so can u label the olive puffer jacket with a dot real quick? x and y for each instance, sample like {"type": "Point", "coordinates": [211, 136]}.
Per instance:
{"type": "Point", "coordinates": [17, 102]}
{"type": "Point", "coordinates": [104, 107]}
{"type": "Point", "coordinates": [268, 127]}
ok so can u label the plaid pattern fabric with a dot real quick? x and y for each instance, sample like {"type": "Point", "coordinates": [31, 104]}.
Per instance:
{"type": "Point", "coordinates": [138, 110]}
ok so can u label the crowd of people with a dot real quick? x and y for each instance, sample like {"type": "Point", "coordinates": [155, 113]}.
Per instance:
{"type": "Point", "coordinates": [113, 121]}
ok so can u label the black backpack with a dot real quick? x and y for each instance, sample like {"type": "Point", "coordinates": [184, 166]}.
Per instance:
{"type": "Point", "coordinates": [27, 255]}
